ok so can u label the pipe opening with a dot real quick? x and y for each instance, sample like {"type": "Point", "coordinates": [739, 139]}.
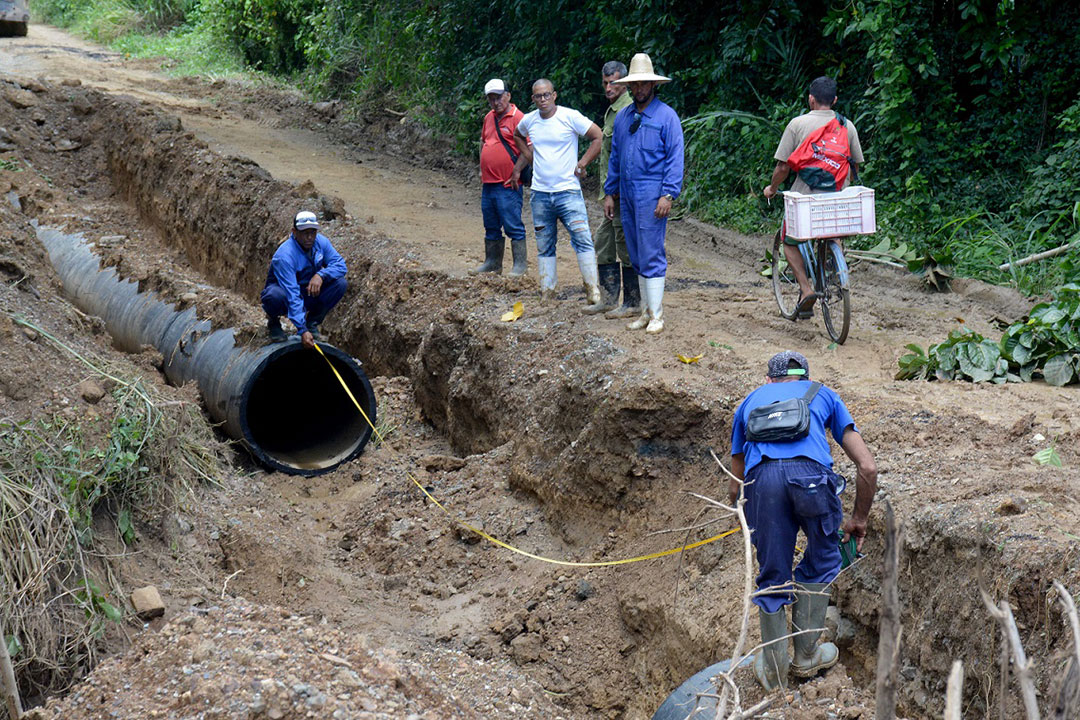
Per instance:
{"type": "Point", "coordinates": [296, 416]}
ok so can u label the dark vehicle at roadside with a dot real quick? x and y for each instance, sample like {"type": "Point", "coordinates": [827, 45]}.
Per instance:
{"type": "Point", "coordinates": [14, 17]}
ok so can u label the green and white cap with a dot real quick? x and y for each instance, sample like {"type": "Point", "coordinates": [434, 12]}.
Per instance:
{"type": "Point", "coordinates": [789, 362]}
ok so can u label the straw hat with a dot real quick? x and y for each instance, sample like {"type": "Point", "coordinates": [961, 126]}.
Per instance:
{"type": "Point", "coordinates": [641, 70]}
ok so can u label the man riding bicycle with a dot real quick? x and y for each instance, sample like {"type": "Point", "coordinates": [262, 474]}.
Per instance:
{"type": "Point", "coordinates": [821, 98]}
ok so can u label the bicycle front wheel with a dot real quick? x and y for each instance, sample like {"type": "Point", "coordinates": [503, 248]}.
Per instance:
{"type": "Point", "coordinates": [835, 298]}
{"type": "Point", "coordinates": [785, 286]}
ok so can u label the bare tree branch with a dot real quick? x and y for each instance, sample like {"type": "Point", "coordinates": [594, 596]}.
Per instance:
{"type": "Point", "coordinates": [751, 712]}
{"type": "Point", "coordinates": [748, 588]}
{"type": "Point", "coordinates": [890, 629]}
{"type": "Point", "coordinates": [1070, 614]}
{"type": "Point", "coordinates": [1065, 707]}
{"type": "Point", "coordinates": [1021, 665]}
{"type": "Point", "coordinates": [7, 681]}
{"type": "Point", "coordinates": [954, 692]}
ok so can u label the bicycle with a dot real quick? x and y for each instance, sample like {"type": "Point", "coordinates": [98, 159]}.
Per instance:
{"type": "Point", "coordinates": [828, 273]}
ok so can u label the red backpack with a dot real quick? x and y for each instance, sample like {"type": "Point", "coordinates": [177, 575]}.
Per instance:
{"type": "Point", "coordinates": [824, 158]}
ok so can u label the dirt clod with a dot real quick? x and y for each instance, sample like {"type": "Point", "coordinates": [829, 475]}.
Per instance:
{"type": "Point", "coordinates": [91, 391]}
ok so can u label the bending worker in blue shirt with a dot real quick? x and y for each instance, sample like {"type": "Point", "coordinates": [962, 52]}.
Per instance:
{"type": "Point", "coordinates": [790, 486]}
{"type": "Point", "coordinates": [645, 173]}
{"type": "Point", "coordinates": [305, 281]}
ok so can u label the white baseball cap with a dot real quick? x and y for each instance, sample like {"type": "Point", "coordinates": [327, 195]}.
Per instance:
{"type": "Point", "coordinates": [305, 219]}
{"type": "Point", "coordinates": [495, 86]}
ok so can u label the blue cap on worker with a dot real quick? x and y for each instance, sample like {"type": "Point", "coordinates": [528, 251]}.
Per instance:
{"type": "Point", "coordinates": [781, 364]}
{"type": "Point", "coordinates": [305, 219]}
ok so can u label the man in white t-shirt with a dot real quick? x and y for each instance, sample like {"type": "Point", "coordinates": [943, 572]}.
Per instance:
{"type": "Point", "coordinates": [556, 189]}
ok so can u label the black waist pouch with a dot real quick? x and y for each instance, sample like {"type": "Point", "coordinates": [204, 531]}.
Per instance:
{"type": "Point", "coordinates": [783, 420]}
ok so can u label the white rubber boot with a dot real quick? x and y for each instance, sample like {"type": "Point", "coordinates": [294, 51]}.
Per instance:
{"type": "Point", "coordinates": [548, 277]}
{"type": "Point", "coordinates": [643, 318]}
{"type": "Point", "coordinates": [655, 289]}
{"type": "Point", "coordinates": [590, 275]}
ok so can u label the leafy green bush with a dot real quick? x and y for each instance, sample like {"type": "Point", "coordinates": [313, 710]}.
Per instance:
{"type": "Point", "coordinates": [1046, 344]}
{"type": "Point", "coordinates": [270, 34]}
{"type": "Point", "coordinates": [965, 355]}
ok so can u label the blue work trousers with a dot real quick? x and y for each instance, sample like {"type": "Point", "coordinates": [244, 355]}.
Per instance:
{"type": "Point", "coordinates": [783, 497]}
{"type": "Point", "coordinates": [643, 230]}
{"type": "Point", "coordinates": [501, 207]}
{"type": "Point", "coordinates": [567, 206]}
{"type": "Point", "coordinates": [276, 302]}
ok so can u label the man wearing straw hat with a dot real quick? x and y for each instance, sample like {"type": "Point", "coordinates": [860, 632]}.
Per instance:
{"type": "Point", "coordinates": [645, 173]}
{"type": "Point", "coordinates": [554, 131]}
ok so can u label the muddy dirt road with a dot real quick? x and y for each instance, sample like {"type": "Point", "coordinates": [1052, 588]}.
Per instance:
{"type": "Point", "coordinates": [566, 434]}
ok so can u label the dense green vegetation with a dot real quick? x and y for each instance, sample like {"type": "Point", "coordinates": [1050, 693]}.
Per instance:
{"type": "Point", "coordinates": [1046, 343]}
{"type": "Point", "coordinates": [968, 110]}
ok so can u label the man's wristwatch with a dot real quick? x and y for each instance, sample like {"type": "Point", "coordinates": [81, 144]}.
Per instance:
{"type": "Point", "coordinates": [669, 196]}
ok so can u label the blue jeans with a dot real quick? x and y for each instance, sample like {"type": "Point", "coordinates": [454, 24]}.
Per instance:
{"type": "Point", "coordinates": [501, 207]}
{"type": "Point", "coordinates": [568, 206]}
{"type": "Point", "coordinates": [783, 498]}
{"type": "Point", "coordinates": [275, 302]}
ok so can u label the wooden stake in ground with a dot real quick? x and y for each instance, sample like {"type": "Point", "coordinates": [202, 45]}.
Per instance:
{"type": "Point", "coordinates": [888, 659]}
{"type": "Point", "coordinates": [7, 681]}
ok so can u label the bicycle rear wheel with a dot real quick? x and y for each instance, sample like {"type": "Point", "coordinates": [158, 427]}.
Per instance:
{"type": "Point", "coordinates": [785, 287]}
{"type": "Point", "coordinates": [834, 296]}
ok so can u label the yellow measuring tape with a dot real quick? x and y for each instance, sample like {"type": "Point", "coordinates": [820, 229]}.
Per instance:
{"type": "Point", "coordinates": [500, 543]}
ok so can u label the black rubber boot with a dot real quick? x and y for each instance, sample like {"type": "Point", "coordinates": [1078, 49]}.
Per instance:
{"type": "Point", "coordinates": [609, 289]}
{"type": "Point", "coordinates": [631, 306]}
{"type": "Point", "coordinates": [273, 328]}
{"type": "Point", "coordinates": [493, 257]}
{"type": "Point", "coordinates": [521, 258]}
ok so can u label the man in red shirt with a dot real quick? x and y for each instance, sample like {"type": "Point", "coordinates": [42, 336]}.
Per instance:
{"type": "Point", "coordinates": [500, 202]}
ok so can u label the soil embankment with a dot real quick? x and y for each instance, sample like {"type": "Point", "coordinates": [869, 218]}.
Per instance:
{"type": "Point", "coordinates": [563, 434]}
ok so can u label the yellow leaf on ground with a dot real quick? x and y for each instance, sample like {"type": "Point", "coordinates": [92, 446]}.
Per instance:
{"type": "Point", "coordinates": [514, 314]}
{"type": "Point", "coordinates": [684, 359]}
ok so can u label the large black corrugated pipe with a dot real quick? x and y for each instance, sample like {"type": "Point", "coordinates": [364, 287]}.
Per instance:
{"type": "Point", "coordinates": [282, 401]}
{"type": "Point", "coordinates": [695, 699]}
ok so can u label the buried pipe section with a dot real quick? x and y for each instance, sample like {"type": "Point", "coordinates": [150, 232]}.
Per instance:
{"type": "Point", "coordinates": [696, 699]}
{"type": "Point", "coordinates": [283, 402]}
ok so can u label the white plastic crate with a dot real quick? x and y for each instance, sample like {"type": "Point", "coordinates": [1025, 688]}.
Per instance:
{"type": "Point", "coordinates": [848, 212]}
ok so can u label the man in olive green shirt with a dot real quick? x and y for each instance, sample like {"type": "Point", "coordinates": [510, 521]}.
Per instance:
{"type": "Point", "coordinates": [609, 239]}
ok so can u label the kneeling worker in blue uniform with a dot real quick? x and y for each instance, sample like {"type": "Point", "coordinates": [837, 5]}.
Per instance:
{"type": "Point", "coordinates": [790, 486]}
{"type": "Point", "coordinates": [305, 281]}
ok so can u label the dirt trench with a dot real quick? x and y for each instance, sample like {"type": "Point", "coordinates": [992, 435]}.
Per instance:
{"type": "Point", "coordinates": [577, 442]}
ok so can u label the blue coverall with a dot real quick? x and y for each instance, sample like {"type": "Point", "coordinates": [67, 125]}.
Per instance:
{"type": "Point", "coordinates": [291, 270]}
{"type": "Point", "coordinates": [644, 165]}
